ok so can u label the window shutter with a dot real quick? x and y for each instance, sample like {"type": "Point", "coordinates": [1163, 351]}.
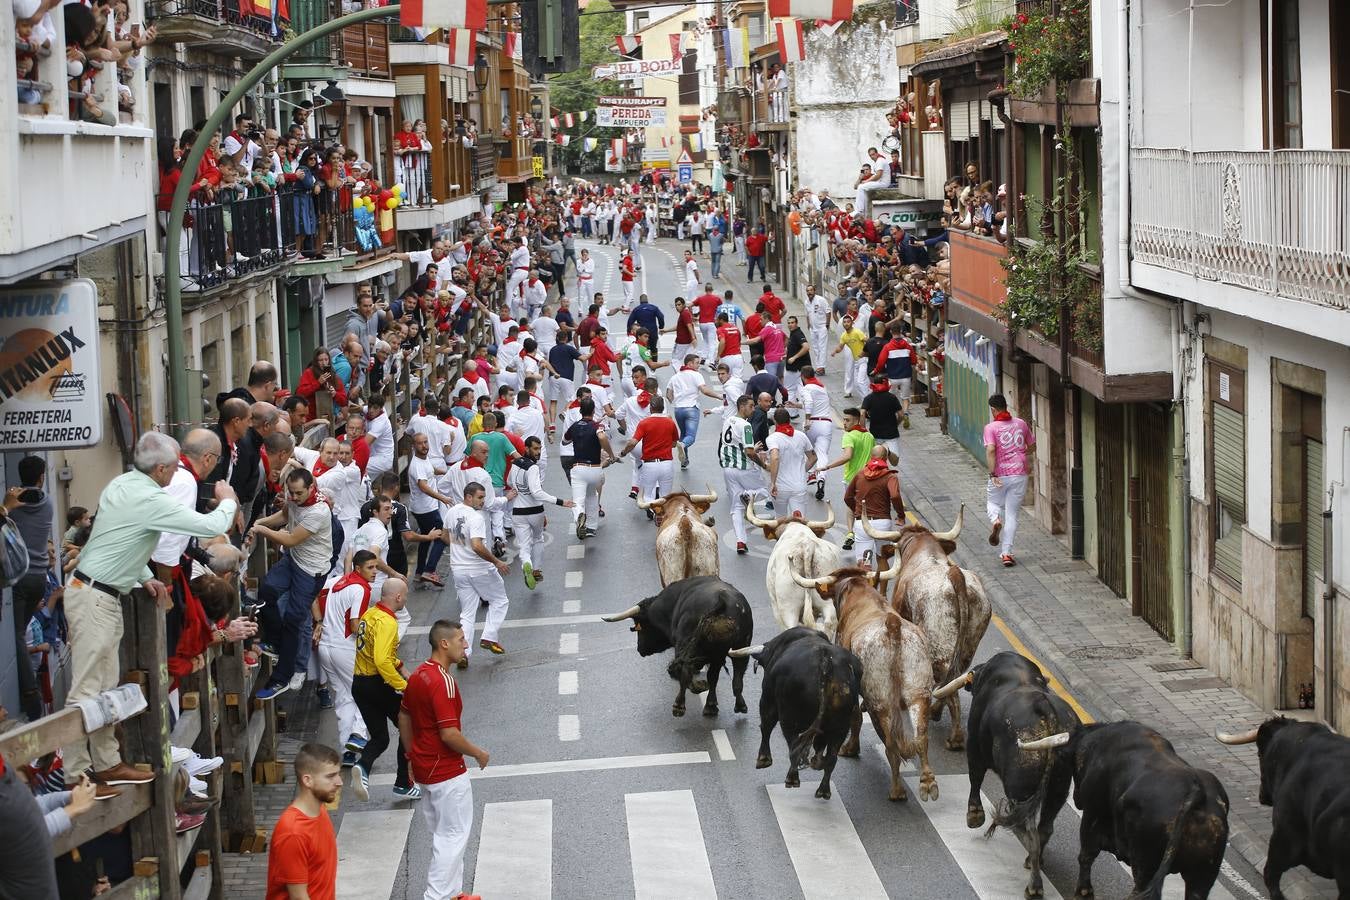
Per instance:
{"type": "Point", "coordinates": [960, 120]}
{"type": "Point", "coordinates": [1230, 491]}
{"type": "Point", "coordinates": [1313, 536]}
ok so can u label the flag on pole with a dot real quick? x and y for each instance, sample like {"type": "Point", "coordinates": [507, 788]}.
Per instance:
{"type": "Point", "coordinates": [589, 144]}
{"type": "Point", "coordinates": [511, 43]}
{"type": "Point", "coordinates": [737, 41]}
{"type": "Point", "coordinates": [627, 44]}
{"type": "Point", "coordinates": [566, 139]}
{"type": "Point", "coordinates": [791, 41]}
{"type": "Point", "coordinates": [553, 121]}
{"type": "Point", "coordinates": [678, 44]}
{"type": "Point", "coordinates": [463, 43]}
{"type": "Point", "coordinates": [567, 120]}
{"type": "Point", "coordinates": [431, 14]}
{"type": "Point", "coordinates": [696, 142]}
{"type": "Point", "coordinates": [616, 146]}
{"type": "Point", "coordinates": [585, 114]}
{"type": "Point", "coordinates": [829, 10]}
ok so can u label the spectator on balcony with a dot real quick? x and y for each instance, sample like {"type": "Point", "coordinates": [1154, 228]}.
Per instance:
{"type": "Point", "coordinates": [304, 210]}
{"type": "Point", "coordinates": [869, 179]}
{"type": "Point", "coordinates": [300, 116]}
{"type": "Point", "coordinates": [241, 145]}
{"type": "Point", "coordinates": [25, 62]}
{"type": "Point", "coordinates": [85, 50]}
{"type": "Point", "coordinates": [777, 93]}
{"type": "Point", "coordinates": [319, 375]}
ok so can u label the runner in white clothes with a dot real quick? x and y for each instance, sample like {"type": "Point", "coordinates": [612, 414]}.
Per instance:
{"type": "Point", "coordinates": [527, 479]}
{"type": "Point", "coordinates": [478, 574]}
{"type": "Point", "coordinates": [585, 276]}
{"type": "Point", "coordinates": [742, 465]}
{"type": "Point", "coordinates": [338, 612]}
{"type": "Point", "coordinates": [520, 270]}
{"type": "Point", "coordinates": [790, 458]}
{"type": "Point", "coordinates": [818, 324]}
{"type": "Point", "coordinates": [819, 420]}
{"type": "Point", "coordinates": [691, 275]}
{"type": "Point", "coordinates": [526, 420]}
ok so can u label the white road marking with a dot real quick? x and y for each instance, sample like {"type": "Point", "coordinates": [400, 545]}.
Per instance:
{"type": "Point", "coordinates": [569, 727]}
{"type": "Point", "coordinates": [666, 844]}
{"type": "Point", "coordinates": [567, 683]}
{"type": "Point", "coordinates": [416, 630]}
{"type": "Point", "coordinates": [365, 867]}
{"type": "Point", "coordinates": [571, 606]}
{"type": "Point", "coordinates": [723, 744]}
{"type": "Point", "coordinates": [515, 853]}
{"type": "Point", "coordinates": [572, 580]}
{"type": "Point", "coordinates": [576, 551]}
{"type": "Point", "coordinates": [569, 643]}
{"type": "Point", "coordinates": [825, 849]}
{"type": "Point", "coordinates": [598, 764]}
{"type": "Point", "coordinates": [992, 866]}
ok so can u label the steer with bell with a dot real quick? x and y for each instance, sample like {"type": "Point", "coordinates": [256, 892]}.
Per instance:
{"type": "Point", "coordinates": [701, 618]}
{"type": "Point", "coordinates": [1144, 804]}
{"type": "Point", "coordinates": [685, 545]}
{"type": "Point", "coordinates": [1012, 701]}
{"type": "Point", "coordinates": [1304, 768]}
{"type": "Point", "coordinates": [799, 547]}
{"type": "Point", "coordinates": [946, 601]}
{"type": "Point", "coordinates": [811, 691]}
{"type": "Point", "coordinates": [897, 679]}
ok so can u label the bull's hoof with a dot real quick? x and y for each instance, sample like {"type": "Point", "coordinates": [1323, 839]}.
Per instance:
{"type": "Point", "coordinates": [823, 792]}
{"type": "Point", "coordinates": [898, 794]}
{"type": "Point", "coordinates": [792, 780]}
{"type": "Point", "coordinates": [1085, 892]}
{"type": "Point", "coordinates": [928, 790]}
{"type": "Point", "coordinates": [850, 750]}
{"type": "Point", "coordinates": [710, 709]}
{"type": "Point", "coordinates": [974, 816]}
{"type": "Point", "coordinates": [698, 685]}
{"type": "Point", "coordinates": [956, 742]}
{"type": "Point", "coordinates": [1032, 893]}
{"type": "Point", "coordinates": [817, 762]}
{"type": "Point", "coordinates": [677, 709]}
{"type": "Point", "coordinates": [740, 706]}
{"type": "Point", "coordinates": [763, 762]}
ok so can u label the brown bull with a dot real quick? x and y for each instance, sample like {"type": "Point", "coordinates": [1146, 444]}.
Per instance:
{"type": "Point", "coordinates": [946, 601]}
{"type": "Point", "coordinates": [897, 681]}
{"type": "Point", "coordinates": [685, 545]}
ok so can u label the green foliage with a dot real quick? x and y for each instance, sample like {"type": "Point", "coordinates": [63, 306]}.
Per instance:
{"type": "Point", "coordinates": [1049, 46]}
{"type": "Point", "coordinates": [576, 91]}
{"type": "Point", "coordinates": [979, 17]}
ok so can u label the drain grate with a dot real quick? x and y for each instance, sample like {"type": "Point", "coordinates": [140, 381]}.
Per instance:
{"type": "Point", "coordinates": [1123, 651]}
{"type": "Point", "coordinates": [1195, 684]}
{"type": "Point", "coordinates": [1180, 666]}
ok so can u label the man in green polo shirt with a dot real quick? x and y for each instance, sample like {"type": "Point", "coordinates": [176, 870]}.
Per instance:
{"type": "Point", "coordinates": [857, 449]}
{"type": "Point", "coordinates": [500, 449]}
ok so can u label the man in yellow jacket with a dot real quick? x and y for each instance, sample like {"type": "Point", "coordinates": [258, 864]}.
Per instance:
{"type": "Point", "coordinates": [377, 687]}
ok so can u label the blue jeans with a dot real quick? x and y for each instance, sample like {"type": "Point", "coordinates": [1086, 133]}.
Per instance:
{"type": "Point", "coordinates": [757, 261]}
{"type": "Point", "coordinates": [716, 264]}
{"type": "Point", "coordinates": [428, 552]}
{"type": "Point", "coordinates": [687, 417]}
{"type": "Point", "coordinates": [284, 625]}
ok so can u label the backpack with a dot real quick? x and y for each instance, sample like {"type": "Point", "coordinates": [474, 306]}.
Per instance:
{"type": "Point", "coordinates": [13, 553]}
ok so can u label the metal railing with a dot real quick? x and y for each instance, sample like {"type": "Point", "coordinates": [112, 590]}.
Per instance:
{"type": "Point", "coordinates": [778, 104]}
{"type": "Point", "coordinates": [1274, 222]}
{"type": "Point", "coordinates": [414, 173]}
{"type": "Point", "coordinates": [234, 239]}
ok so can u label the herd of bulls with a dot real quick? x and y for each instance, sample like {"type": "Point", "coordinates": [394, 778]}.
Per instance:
{"type": "Point", "coordinates": [845, 648]}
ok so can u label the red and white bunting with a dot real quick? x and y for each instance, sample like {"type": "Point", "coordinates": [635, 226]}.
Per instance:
{"type": "Point", "coordinates": [511, 43]}
{"type": "Point", "coordinates": [568, 120]}
{"type": "Point", "coordinates": [627, 44]}
{"type": "Point", "coordinates": [463, 43]}
{"type": "Point", "coordinates": [432, 14]}
{"type": "Point", "coordinates": [566, 139]}
{"type": "Point", "coordinates": [679, 44]}
{"type": "Point", "coordinates": [553, 121]}
{"type": "Point", "coordinates": [791, 41]}
{"type": "Point", "coordinates": [616, 147]}
{"type": "Point", "coordinates": [829, 10]}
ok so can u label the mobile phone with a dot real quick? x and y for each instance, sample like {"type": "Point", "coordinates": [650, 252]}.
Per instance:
{"type": "Point", "coordinates": [136, 30]}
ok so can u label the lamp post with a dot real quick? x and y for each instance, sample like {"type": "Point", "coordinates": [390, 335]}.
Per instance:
{"type": "Point", "coordinates": [482, 72]}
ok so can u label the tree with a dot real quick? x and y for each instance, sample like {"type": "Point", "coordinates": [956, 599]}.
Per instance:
{"type": "Point", "coordinates": [576, 91]}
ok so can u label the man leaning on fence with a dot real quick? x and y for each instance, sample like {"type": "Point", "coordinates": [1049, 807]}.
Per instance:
{"type": "Point", "coordinates": [133, 511]}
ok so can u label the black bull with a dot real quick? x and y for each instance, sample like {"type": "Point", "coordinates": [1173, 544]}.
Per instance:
{"type": "Point", "coordinates": [1303, 779]}
{"type": "Point", "coordinates": [1141, 802]}
{"type": "Point", "coordinates": [702, 618]}
{"type": "Point", "coordinates": [811, 689]}
{"type": "Point", "coordinates": [1012, 701]}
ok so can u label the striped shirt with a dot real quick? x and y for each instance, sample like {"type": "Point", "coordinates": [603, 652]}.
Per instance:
{"type": "Point", "coordinates": [736, 435]}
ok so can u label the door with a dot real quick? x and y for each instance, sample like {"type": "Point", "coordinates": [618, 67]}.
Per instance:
{"type": "Point", "coordinates": [1153, 445]}
{"type": "Point", "coordinates": [1111, 496]}
{"type": "Point", "coordinates": [1314, 499]}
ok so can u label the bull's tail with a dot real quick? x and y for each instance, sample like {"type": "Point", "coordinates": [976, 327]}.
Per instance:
{"type": "Point", "coordinates": [1153, 890]}
{"type": "Point", "coordinates": [1024, 816]}
{"type": "Point", "coordinates": [808, 598]}
{"type": "Point", "coordinates": [798, 748]}
{"type": "Point", "coordinates": [687, 547]}
{"type": "Point", "coordinates": [899, 709]}
{"type": "Point", "coordinates": [959, 592]}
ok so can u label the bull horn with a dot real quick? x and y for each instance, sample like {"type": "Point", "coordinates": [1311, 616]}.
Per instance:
{"type": "Point", "coordinates": [743, 652]}
{"type": "Point", "coordinates": [649, 504]}
{"type": "Point", "coordinates": [810, 583]}
{"type": "Point", "coordinates": [619, 617]}
{"type": "Point", "coordinates": [1045, 743]}
{"type": "Point", "coordinates": [1245, 737]}
{"type": "Point", "coordinates": [953, 686]}
{"type": "Point", "coordinates": [956, 529]}
{"type": "Point", "coordinates": [892, 572]}
{"type": "Point", "coordinates": [756, 520]}
{"type": "Point", "coordinates": [822, 526]}
{"type": "Point", "coordinates": [709, 498]}
{"type": "Point", "coordinates": [878, 535]}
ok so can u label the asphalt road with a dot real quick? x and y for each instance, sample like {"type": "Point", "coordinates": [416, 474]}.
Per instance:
{"type": "Point", "coordinates": [595, 790]}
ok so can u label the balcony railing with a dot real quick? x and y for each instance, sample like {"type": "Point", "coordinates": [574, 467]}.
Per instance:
{"type": "Point", "coordinates": [414, 173]}
{"type": "Point", "coordinates": [225, 241]}
{"type": "Point", "coordinates": [778, 105]}
{"type": "Point", "coordinates": [1271, 222]}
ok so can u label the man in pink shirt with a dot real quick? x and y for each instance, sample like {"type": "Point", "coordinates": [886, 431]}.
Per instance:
{"type": "Point", "coordinates": [773, 344]}
{"type": "Point", "coordinates": [1008, 449]}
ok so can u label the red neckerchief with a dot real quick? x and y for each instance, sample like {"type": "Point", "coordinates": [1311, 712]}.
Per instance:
{"type": "Point", "coordinates": [574, 404]}
{"type": "Point", "coordinates": [812, 380]}
{"type": "Point", "coordinates": [320, 468]}
{"type": "Point", "coordinates": [502, 403]}
{"type": "Point", "coordinates": [784, 429]}
{"type": "Point", "coordinates": [313, 498]}
{"type": "Point", "coordinates": [644, 399]}
{"type": "Point", "coordinates": [880, 387]}
{"type": "Point", "coordinates": [346, 581]}
{"type": "Point", "coordinates": [471, 462]}
{"type": "Point", "coordinates": [858, 428]}
{"type": "Point", "coordinates": [471, 376]}
{"type": "Point", "coordinates": [1003, 416]}
{"type": "Point", "coordinates": [271, 485]}
{"type": "Point", "coordinates": [686, 368]}
{"type": "Point", "coordinates": [876, 468]}
{"type": "Point", "coordinates": [183, 461]}
{"type": "Point", "coordinates": [387, 611]}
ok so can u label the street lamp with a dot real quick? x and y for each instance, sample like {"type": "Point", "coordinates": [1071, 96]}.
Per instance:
{"type": "Point", "coordinates": [481, 70]}
{"type": "Point", "coordinates": [537, 108]}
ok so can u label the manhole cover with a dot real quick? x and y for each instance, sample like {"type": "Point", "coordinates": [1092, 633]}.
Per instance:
{"type": "Point", "coordinates": [1101, 652]}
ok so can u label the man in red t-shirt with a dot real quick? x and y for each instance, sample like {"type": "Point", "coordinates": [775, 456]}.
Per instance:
{"type": "Point", "coordinates": [304, 846]}
{"type": "Point", "coordinates": [773, 304]}
{"type": "Point", "coordinates": [657, 434]}
{"type": "Point", "coordinates": [706, 304]}
{"type": "Point", "coordinates": [684, 332]}
{"type": "Point", "coordinates": [728, 345]}
{"type": "Point", "coordinates": [429, 726]}
{"type": "Point", "coordinates": [755, 244]}
{"type": "Point", "coordinates": [355, 435]}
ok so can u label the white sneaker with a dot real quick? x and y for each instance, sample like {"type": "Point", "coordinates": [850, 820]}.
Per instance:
{"type": "Point", "coordinates": [198, 765]}
{"type": "Point", "coordinates": [197, 787]}
{"type": "Point", "coordinates": [297, 681]}
{"type": "Point", "coordinates": [180, 755]}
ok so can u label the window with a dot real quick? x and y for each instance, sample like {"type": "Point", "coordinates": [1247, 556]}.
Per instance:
{"type": "Point", "coordinates": [689, 79]}
{"type": "Point", "coordinates": [1314, 498]}
{"type": "Point", "coordinates": [164, 110]}
{"type": "Point", "coordinates": [197, 104]}
{"type": "Point", "coordinates": [1228, 467]}
{"type": "Point", "coordinates": [1281, 73]}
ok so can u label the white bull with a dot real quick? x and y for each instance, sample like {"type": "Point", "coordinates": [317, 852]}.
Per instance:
{"type": "Point", "coordinates": [799, 548]}
{"type": "Point", "coordinates": [685, 545]}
